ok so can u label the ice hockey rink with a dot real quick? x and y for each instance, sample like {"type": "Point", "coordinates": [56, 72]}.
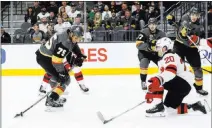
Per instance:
{"type": "Point", "coordinates": [109, 94]}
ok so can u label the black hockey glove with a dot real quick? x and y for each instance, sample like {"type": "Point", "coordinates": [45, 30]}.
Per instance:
{"type": "Point", "coordinates": [170, 19]}
{"type": "Point", "coordinates": [63, 77]}
{"type": "Point", "coordinates": [79, 60]}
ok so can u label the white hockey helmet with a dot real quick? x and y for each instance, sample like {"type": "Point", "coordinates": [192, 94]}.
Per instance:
{"type": "Point", "coordinates": [163, 45]}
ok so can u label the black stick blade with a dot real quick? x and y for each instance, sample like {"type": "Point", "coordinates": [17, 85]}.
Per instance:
{"type": "Point", "coordinates": [17, 115]}
{"type": "Point", "coordinates": [101, 117]}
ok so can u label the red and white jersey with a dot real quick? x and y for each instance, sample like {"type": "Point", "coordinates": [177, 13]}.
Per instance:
{"type": "Point", "coordinates": [170, 66]}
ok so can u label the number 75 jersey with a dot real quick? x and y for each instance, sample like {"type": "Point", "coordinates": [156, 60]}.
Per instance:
{"type": "Point", "coordinates": [171, 65]}
{"type": "Point", "coordinates": [57, 48]}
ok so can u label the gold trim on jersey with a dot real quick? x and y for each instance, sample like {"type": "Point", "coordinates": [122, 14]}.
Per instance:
{"type": "Point", "coordinates": [57, 60]}
{"type": "Point", "coordinates": [44, 54]}
{"type": "Point", "coordinates": [139, 42]}
{"type": "Point", "coordinates": [59, 90]}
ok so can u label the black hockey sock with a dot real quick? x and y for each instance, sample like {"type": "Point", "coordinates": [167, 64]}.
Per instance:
{"type": "Point", "coordinates": [143, 77]}
{"type": "Point", "coordinates": [54, 96]}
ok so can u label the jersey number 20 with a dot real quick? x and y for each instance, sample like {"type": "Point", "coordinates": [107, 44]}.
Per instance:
{"type": "Point", "coordinates": [169, 59]}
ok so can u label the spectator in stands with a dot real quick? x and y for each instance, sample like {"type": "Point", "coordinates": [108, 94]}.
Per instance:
{"type": "Point", "coordinates": [80, 6]}
{"type": "Point", "coordinates": [106, 13]}
{"type": "Point", "coordinates": [87, 36]}
{"type": "Point", "coordinates": [100, 6]}
{"type": "Point", "coordinates": [113, 7]}
{"type": "Point", "coordinates": [5, 37]}
{"type": "Point", "coordinates": [73, 13]}
{"type": "Point", "coordinates": [37, 35]}
{"type": "Point", "coordinates": [139, 15]}
{"type": "Point", "coordinates": [66, 18]}
{"type": "Point", "coordinates": [66, 21]}
{"type": "Point", "coordinates": [124, 8]}
{"type": "Point", "coordinates": [134, 8]}
{"type": "Point", "coordinates": [114, 21]}
{"type": "Point", "coordinates": [151, 13]}
{"type": "Point", "coordinates": [92, 13]}
{"type": "Point", "coordinates": [50, 32]}
{"type": "Point", "coordinates": [36, 10]}
{"type": "Point", "coordinates": [77, 20]}
{"type": "Point", "coordinates": [53, 7]}
{"type": "Point", "coordinates": [29, 16]}
{"type": "Point", "coordinates": [97, 20]}
{"type": "Point", "coordinates": [61, 11]}
{"type": "Point", "coordinates": [52, 18]}
{"type": "Point", "coordinates": [128, 21]}
{"type": "Point", "coordinates": [67, 7]}
{"type": "Point", "coordinates": [42, 14]}
{"type": "Point", "coordinates": [43, 25]}
{"type": "Point", "coordinates": [59, 28]}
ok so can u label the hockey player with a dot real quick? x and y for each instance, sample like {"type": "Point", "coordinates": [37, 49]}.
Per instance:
{"type": "Point", "coordinates": [145, 44]}
{"type": "Point", "coordinates": [73, 62]}
{"type": "Point", "coordinates": [50, 57]}
{"type": "Point", "coordinates": [189, 26]}
{"type": "Point", "coordinates": [174, 78]}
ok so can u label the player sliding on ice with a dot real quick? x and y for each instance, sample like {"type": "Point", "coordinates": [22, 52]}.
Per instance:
{"type": "Point", "coordinates": [174, 78]}
{"type": "Point", "coordinates": [50, 57]}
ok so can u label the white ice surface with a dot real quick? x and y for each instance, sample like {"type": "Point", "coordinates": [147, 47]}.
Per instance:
{"type": "Point", "coordinates": [109, 94]}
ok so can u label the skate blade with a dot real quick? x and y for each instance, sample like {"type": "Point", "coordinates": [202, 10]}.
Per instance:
{"type": "Point", "coordinates": [53, 109]}
{"type": "Point", "coordinates": [41, 94]}
{"type": "Point", "coordinates": [158, 114]}
{"type": "Point", "coordinates": [85, 93]}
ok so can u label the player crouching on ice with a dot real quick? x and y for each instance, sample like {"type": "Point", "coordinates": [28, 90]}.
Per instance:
{"type": "Point", "coordinates": [173, 78]}
{"type": "Point", "coordinates": [50, 57]}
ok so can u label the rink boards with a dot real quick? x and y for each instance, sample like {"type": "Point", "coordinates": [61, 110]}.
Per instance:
{"type": "Point", "coordinates": [103, 59]}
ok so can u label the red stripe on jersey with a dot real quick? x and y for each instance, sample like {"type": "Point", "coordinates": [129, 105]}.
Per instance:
{"type": "Point", "coordinates": [171, 68]}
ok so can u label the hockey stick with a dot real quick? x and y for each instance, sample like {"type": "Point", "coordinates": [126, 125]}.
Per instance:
{"type": "Point", "coordinates": [104, 121]}
{"type": "Point", "coordinates": [22, 113]}
{"type": "Point", "coordinates": [202, 68]}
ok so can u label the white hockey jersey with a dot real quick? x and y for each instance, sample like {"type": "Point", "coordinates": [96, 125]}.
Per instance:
{"type": "Point", "coordinates": [171, 65]}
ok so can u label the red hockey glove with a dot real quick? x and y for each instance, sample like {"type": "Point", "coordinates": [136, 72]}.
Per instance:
{"type": "Point", "coordinates": [194, 39]}
{"type": "Point", "coordinates": [67, 66]}
{"type": "Point", "coordinates": [150, 96]}
{"type": "Point", "coordinates": [155, 84]}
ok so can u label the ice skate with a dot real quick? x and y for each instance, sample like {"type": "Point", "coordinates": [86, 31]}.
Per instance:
{"type": "Point", "coordinates": [83, 88]}
{"type": "Point", "coordinates": [157, 111]}
{"type": "Point", "coordinates": [42, 91]}
{"type": "Point", "coordinates": [202, 92]}
{"type": "Point", "coordinates": [198, 107]}
{"type": "Point", "coordinates": [143, 86]}
{"type": "Point", "coordinates": [52, 103]}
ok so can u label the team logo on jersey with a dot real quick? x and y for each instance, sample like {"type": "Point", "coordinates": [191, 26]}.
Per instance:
{"type": "Point", "coordinates": [3, 56]}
